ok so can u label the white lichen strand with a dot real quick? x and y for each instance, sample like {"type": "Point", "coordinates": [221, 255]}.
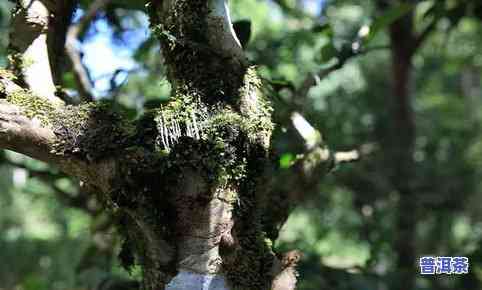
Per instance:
{"type": "Point", "coordinates": [174, 125]}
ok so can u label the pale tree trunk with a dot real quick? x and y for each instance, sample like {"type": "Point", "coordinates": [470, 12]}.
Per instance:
{"type": "Point", "coordinates": [189, 183]}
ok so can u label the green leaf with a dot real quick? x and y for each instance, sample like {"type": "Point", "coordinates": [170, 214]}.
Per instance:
{"type": "Point", "coordinates": [286, 160]}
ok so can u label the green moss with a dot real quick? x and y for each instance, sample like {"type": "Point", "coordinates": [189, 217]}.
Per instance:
{"type": "Point", "coordinates": [256, 108]}
{"type": "Point", "coordinates": [252, 269]}
{"type": "Point", "coordinates": [89, 131]}
{"type": "Point", "coordinates": [195, 68]}
{"type": "Point", "coordinates": [230, 151]}
{"type": "Point", "coordinates": [92, 131]}
{"type": "Point", "coordinates": [33, 106]}
{"type": "Point", "coordinates": [229, 163]}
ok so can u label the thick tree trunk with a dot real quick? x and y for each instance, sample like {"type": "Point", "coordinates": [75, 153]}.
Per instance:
{"type": "Point", "coordinates": [215, 137]}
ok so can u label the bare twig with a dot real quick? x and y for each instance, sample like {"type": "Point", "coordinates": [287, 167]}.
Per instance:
{"type": "Point", "coordinates": [81, 74]}
{"type": "Point", "coordinates": [346, 156]}
{"type": "Point", "coordinates": [313, 79]}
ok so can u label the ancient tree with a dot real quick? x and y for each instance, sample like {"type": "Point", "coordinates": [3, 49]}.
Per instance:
{"type": "Point", "coordinates": [191, 184]}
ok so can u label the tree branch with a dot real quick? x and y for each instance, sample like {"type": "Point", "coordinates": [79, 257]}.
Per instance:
{"type": "Point", "coordinates": [285, 274]}
{"type": "Point", "coordinates": [56, 38]}
{"type": "Point", "coordinates": [28, 41]}
{"type": "Point", "coordinates": [346, 156]}
{"type": "Point", "coordinates": [81, 74]}
{"type": "Point", "coordinates": [26, 133]}
{"type": "Point", "coordinates": [420, 39]}
{"type": "Point", "coordinates": [315, 78]}
{"type": "Point", "coordinates": [311, 80]}
{"type": "Point", "coordinates": [304, 175]}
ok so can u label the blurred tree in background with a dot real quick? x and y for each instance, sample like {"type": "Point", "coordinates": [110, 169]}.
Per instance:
{"type": "Point", "coordinates": [400, 81]}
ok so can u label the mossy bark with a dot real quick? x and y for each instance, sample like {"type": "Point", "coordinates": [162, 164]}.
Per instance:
{"type": "Point", "coordinates": [196, 205]}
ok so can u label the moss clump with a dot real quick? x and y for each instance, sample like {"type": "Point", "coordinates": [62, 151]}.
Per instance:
{"type": "Point", "coordinates": [230, 152]}
{"type": "Point", "coordinates": [196, 68]}
{"type": "Point", "coordinates": [227, 162]}
{"type": "Point", "coordinates": [184, 116]}
{"type": "Point", "coordinates": [253, 263]}
{"type": "Point", "coordinates": [256, 108]}
{"type": "Point", "coordinates": [92, 131]}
